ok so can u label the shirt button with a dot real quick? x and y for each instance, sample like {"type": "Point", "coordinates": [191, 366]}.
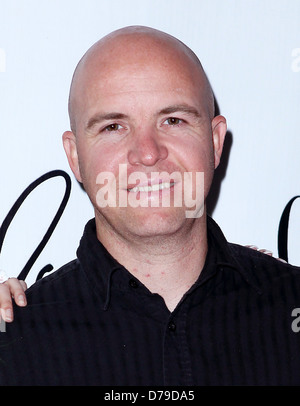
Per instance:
{"type": "Point", "coordinates": [133, 283]}
{"type": "Point", "coordinates": [172, 326]}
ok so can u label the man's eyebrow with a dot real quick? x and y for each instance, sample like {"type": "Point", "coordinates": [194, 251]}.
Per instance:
{"type": "Point", "coordinates": [183, 108]}
{"type": "Point", "coordinates": [97, 118]}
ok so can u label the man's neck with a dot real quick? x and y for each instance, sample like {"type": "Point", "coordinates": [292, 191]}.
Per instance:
{"type": "Point", "coordinates": [168, 266]}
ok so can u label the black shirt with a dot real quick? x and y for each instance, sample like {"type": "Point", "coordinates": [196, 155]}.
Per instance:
{"type": "Point", "coordinates": [93, 323]}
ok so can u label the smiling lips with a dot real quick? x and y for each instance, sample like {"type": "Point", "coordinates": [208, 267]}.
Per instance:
{"type": "Point", "coordinates": [151, 188]}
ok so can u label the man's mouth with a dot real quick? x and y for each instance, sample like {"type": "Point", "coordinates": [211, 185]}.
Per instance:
{"type": "Point", "coordinates": [152, 188]}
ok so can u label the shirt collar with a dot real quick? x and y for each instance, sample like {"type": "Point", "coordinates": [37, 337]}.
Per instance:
{"type": "Point", "coordinates": [97, 263]}
{"type": "Point", "coordinates": [225, 256]}
{"type": "Point", "coordinates": [100, 266]}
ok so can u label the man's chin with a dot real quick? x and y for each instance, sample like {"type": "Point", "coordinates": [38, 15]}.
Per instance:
{"type": "Point", "coordinates": [143, 222]}
{"type": "Point", "coordinates": [147, 222]}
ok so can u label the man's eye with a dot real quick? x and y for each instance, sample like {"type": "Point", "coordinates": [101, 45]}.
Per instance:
{"type": "Point", "coordinates": [112, 127]}
{"type": "Point", "coordinates": [173, 121]}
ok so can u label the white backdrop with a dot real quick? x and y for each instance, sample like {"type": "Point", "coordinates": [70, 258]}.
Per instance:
{"type": "Point", "coordinates": [250, 50]}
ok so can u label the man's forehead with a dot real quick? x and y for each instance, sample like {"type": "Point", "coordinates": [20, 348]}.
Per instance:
{"type": "Point", "coordinates": [132, 52]}
{"type": "Point", "coordinates": [147, 88]}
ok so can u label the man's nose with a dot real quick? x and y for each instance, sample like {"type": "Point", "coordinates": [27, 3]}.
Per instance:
{"type": "Point", "coordinates": [146, 148]}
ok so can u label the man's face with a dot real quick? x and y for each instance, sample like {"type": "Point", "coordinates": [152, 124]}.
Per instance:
{"type": "Point", "coordinates": [140, 119]}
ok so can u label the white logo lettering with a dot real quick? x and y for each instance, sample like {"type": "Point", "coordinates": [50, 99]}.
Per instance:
{"type": "Point", "coordinates": [155, 189]}
{"type": "Point", "coordinates": [296, 322]}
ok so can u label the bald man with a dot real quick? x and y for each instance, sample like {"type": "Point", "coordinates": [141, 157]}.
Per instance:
{"type": "Point", "coordinates": [125, 93]}
{"type": "Point", "coordinates": [156, 295]}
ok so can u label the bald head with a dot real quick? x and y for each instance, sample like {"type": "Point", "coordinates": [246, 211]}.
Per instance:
{"type": "Point", "coordinates": [139, 46]}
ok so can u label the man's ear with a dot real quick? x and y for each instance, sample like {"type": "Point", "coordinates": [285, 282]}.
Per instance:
{"type": "Point", "coordinates": [70, 147]}
{"type": "Point", "coordinates": [219, 129]}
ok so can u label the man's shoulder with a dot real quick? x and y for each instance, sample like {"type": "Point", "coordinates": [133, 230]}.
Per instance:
{"type": "Point", "coordinates": [62, 272]}
{"type": "Point", "coordinates": [263, 267]}
{"type": "Point", "coordinates": [57, 283]}
{"type": "Point", "coordinates": [244, 257]}
{"type": "Point", "coordinates": [52, 300]}
{"type": "Point", "coordinates": [253, 255]}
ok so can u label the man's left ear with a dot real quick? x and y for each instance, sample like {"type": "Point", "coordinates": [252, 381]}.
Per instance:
{"type": "Point", "coordinates": [219, 129]}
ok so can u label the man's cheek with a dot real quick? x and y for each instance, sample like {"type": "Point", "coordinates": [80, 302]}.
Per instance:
{"type": "Point", "coordinates": [106, 190]}
{"type": "Point", "coordinates": [194, 191]}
